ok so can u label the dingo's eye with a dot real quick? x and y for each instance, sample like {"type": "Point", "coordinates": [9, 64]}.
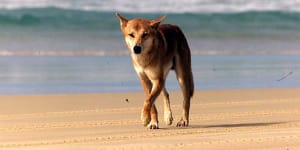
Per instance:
{"type": "Point", "coordinates": [145, 35]}
{"type": "Point", "coordinates": [131, 35]}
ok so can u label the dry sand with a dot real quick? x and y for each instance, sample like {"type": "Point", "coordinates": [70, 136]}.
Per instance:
{"type": "Point", "coordinates": [224, 119]}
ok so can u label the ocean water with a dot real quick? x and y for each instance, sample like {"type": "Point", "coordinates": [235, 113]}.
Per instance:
{"type": "Point", "coordinates": [82, 74]}
{"type": "Point", "coordinates": [75, 46]}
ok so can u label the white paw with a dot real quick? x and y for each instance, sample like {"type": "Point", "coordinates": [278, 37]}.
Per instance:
{"type": "Point", "coordinates": [153, 125]}
{"type": "Point", "coordinates": [168, 117]}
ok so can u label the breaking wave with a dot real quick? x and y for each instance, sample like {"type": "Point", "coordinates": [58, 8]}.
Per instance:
{"type": "Point", "coordinates": [154, 6]}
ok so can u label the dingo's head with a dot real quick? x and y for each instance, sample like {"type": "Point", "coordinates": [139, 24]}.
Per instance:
{"type": "Point", "coordinates": [139, 33]}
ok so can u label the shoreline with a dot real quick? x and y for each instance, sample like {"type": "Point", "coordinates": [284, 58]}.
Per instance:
{"type": "Point", "coordinates": [124, 52]}
{"type": "Point", "coordinates": [235, 119]}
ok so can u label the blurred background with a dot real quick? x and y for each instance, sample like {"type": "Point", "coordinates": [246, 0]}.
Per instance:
{"type": "Point", "coordinates": [75, 46]}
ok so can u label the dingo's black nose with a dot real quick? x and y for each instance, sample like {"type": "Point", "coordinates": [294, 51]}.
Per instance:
{"type": "Point", "coordinates": [137, 49]}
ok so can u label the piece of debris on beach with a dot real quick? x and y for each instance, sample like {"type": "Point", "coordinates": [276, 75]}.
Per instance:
{"type": "Point", "coordinates": [282, 78]}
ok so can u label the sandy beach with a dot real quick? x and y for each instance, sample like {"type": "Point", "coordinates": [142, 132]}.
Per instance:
{"type": "Point", "coordinates": [220, 119]}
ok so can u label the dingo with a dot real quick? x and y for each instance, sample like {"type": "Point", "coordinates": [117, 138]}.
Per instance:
{"type": "Point", "coordinates": [155, 50]}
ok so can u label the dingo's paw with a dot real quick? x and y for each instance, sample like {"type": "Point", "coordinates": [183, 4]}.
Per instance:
{"type": "Point", "coordinates": [168, 117]}
{"type": "Point", "coordinates": [153, 125]}
{"type": "Point", "coordinates": [182, 123]}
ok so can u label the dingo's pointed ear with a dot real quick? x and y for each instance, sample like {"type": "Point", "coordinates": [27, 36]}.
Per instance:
{"type": "Point", "coordinates": [123, 21]}
{"type": "Point", "coordinates": [155, 23]}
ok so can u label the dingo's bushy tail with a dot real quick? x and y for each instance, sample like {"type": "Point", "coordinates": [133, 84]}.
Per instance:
{"type": "Point", "coordinates": [185, 62]}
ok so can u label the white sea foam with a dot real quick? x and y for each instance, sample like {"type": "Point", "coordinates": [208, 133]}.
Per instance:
{"type": "Point", "coordinates": [166, 6]}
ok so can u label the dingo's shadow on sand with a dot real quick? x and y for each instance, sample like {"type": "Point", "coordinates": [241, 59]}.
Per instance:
{"type": "Point", "coordinates": [236, 125]}
{"type": "Point", "coordinates": [230, 125]}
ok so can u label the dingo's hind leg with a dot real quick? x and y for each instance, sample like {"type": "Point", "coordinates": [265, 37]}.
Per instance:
{"type": "Point", "coordinates": [168, 118]}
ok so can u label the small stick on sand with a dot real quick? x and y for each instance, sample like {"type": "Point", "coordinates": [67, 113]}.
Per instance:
{"type": "Point", "coordinates": [282, 78]}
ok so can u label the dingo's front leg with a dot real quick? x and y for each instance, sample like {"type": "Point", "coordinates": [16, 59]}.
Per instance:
{"type": "Point", "coordinates": [154, 119]}
{"type": "Point", "coordinates": [147, 85]}
{"type": "Point", "coordinates": [149, 112]}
